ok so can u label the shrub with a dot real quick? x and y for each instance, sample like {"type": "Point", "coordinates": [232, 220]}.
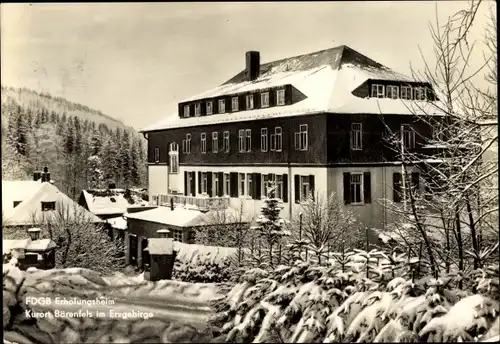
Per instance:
{"type": "Point", "coordinates": [202, 268]}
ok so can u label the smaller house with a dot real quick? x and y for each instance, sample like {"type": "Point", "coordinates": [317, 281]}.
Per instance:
{"type": "Point", "coordinates": [31, 252]}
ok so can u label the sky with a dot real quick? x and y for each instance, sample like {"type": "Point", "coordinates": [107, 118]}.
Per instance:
{"type": "Point", "coordinates": [136, 61]}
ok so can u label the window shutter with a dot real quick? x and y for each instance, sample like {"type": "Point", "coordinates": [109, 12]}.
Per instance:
{"type": "Point", "coordinates": [396, 187]}
{"type": "Point", "coordinates": [297, 141]}
{"type": "Point", "coordinates": [221, 184]}
{"type": "Point", "coordinates": [415, 180]}
{"type": "Point", "coordinates": [285, 188]}
{"type": "Point", "coordinates": [199, 183]}
{"type": "Point", "coordinates": [272, 97]}
{"type": "Point", "coordinates": [347, 188]}
{"type": "Point", "coordinates": [367, 187]}
{"type": "Point", "coordinates": [193, 183]}
{"type": "Point", "coordinates": [234, 184]}
{"type": "Point", "coordinates": [288, 94]}
{"type": "Point", "coordinates": [297, 188]}
{"type": "Point", "coordinates": [258, 189]}
{"type": "Point", "coordinates": [210, 192]}
{"type": "Point", "coordinates": [185, 183]}
{"type": "Point", "coordinates": [253, 192]}
{"type": "Point", "coordinates": [311, 185]}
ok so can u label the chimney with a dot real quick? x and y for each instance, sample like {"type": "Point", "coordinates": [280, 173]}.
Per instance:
{"type": "Point", "coordinates": [34, 233]}
{"type": "Point", "coordinates": [37, 175]}
{"type": "Point", "coordinates": [45, 175]}
{"type": "Point", "coordinates": [252, 65]}
{"type": "Point", "coordinates": [172, 204]}
{"type": "Point", "coordinates": [163, 233]}
{"type": "Point", "coordinates": [111, 186]}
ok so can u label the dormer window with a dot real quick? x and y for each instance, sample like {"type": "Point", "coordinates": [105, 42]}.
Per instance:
{"type": "Point", "coordinates": [406, 92]}
{"type": "Point", "coordinates": [378, 91]}
{"type": "Point", "coordinates": [392, 92]}
{"type": "Point", "coordinates": [234, 104]}
{"type": "Point", "coordinates": [419, 93]}
{"type": "Point", "coordinates": [186, 111]}
{"type": "Point", "coordinates": [209, 108]}
{"type": "Point", "coordinates": [249, 103]}
{"type": "Point", "coordinates": [264, 99]}
{"type": "Point", "coordinates": [48, 206]}
{"type": "Point", "coordinates": [222, 106]}
{"type": "Point", "coordinates": [197, 109]}
{"type": "Point", "coordinates": [280, 97]}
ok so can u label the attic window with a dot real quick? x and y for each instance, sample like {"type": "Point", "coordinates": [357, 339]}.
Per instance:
{"type": "Point", "coordinates": [392, 92]}
{"type": "Point", "coordinates": [222, 105]}
{"type": "Point", "coordinates": [48, 206]}
{"type": "Point", "coordinates": [197, 109]}
{"type": "Point", "coordinates": [186, 110]}
{"type": "Point", "coordinates": [280, 97]}
{"type": "Point", "coordinates": [249, 104]}
{"type": "Point", "coordinates": [16, 203]}
{"type": "Point", "coordinates": [419, 93]}
{"type": "Point", "coordinates": [234, 104]}
{"type": "Point", "coordinates": [209, 108]}
{"type": "Point", "coordinates": [264, 99]}
{"type": "Point", "coordinates": [113, 200]}
{"type": "Point", "coordinates": [378, 91]}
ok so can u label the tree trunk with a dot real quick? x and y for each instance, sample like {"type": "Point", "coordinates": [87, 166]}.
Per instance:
{"type": "Point", "coordinates": [459, 243]}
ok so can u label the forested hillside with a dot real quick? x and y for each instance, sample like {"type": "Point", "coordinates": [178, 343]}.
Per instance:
{"type": "Point", "coordinates": [82, 147]}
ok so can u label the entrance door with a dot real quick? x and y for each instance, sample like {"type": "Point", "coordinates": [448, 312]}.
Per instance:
{"type": "Point", "coordinates": [133, 249]}
{"type": "Point", "coordinates": [145, 255]}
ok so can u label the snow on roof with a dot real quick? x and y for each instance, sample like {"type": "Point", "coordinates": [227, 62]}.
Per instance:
{"type": "Point", "coordinates": [41, 245]}
{"type": "Point", "coordinates": [15, 191]}
{"type": "Point", "coordinates": [327, 79]}
{"type": "Point", "coordinates": [160, 245]}
{"type": "Point", "coordinates": [30, 212]}
{"type": "Point", "coordinates": [178, 217]}
{"type": "Point", "coordinates": [27, 244]}
{"type": "Point", "coordinates": [117, 222]}
{"type": "Point", "coordinates": [187, 252]}
{"type": "Point", "coordinates": [106, 205]}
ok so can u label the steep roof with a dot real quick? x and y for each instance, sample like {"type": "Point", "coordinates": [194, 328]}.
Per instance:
{"type": "Point", "coordinates": [30, 211]}
{"type": "Point", "coordinates": [114, 203]}
{"type": "Point", "coordinates": [15, 191]}
{"type": "Point", "coordinates": [327, 78]}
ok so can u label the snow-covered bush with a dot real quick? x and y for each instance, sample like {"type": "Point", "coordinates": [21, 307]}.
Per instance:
{"type": "Point", "coordinates": [203, 268]}
{"type": "Point", "coordinates": [368, 299]}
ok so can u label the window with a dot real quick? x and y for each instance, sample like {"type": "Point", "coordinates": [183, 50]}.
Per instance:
{"type": "Point", "coordinates": [408, 136]}
{"type": "Point", "coordinates": [399, 190]}
{"type": "Point", "coordinates": [249, 185]}
{"type": "Point", "coordinates": [234, 104]}
{"type": "Point", "coordinates": [191, 237]}
{"type": "Point", "coordinates": [378, 91]}
{"type": "Point", "coordinates": [263, 139]}
{"type": "Point", "coordinates": [227, 184]}
{"type": "Point", "coordinates": [419, 93]}
{"type": "Point", "coordinates": [197, 109]}
{"type": "Point", "coordinates": [277, 180]}
{"type": "Point", "coordinates": [241, 191]}
{"type": "Point", "coordinates": [177, 235]}
{"type": "Point", "coordinates": [249, 140]}
{"type": "Point", "coordinates": [225, 142]}
{"type": "Point", "coordinates": [406, 92]}
{"type": "Point", "coordinates": [48, 206]}
{"type": "Point", "coordinates": [301, 140]}
{"type": "Point", "coordinates": [186, 111]}
{"type": "Point", "coordinates": [304, 187]}
{"type": "Point", "coordinates": [356, 189]}
{"type": "Point", "coordinates": [356, 135]}
{"type": "Point", "coordinates": [215, 142]}
{"type": "Point", "coordinates": [241, 141]}
{"type": "Point", "coordinates": [157, 154]}
{"type": "Point", "coordinates": [280, 97]}
{"type": "Point", "coordinates": [203, 143]}
{"type": "Point", "coordinates": [276, 140]}
{"type": "Point", "coordinates": [204, 182]}
{"type": "Point", "coordinates": [265, 185]}
{"type": "Point", "coordinates": [210, 108]}
{"type": "Point", "coordinates": [16, 203]}
{"type": "Point", "coordinates": [174, 157]}
{"type": "Point", "coordinates": [186, 144]}
{"type": "Point", "coordinates": [189, 183]}
{"type": "Point", "coordinates": [222, 106]}
{"type": "Point", "coordinates": [264, 99]}
{"type": "Point", "coordinates": [249, 100]}
{"type": "Point", "coordinates": [392, 92]}
{"type": "Point", "coordinates": [215, 188]}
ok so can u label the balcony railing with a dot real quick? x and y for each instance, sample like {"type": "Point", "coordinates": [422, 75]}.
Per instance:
{"type": "Point", "coordinates": [202, 203]}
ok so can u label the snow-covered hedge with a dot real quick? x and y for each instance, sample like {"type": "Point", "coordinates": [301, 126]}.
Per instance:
{"type": "Point", "coordinates": [202, 268]}
{"type": "Point", "coordinates": [359, 301]}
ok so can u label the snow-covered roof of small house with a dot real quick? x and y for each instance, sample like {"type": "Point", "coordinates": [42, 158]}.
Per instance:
{"type": "Point", "coordinates": [110, 201]}
{"type": "Point", "coordinates": [327, 79]}
{"type": "Point", "coordinates": [27, 244]}
{"type": "Point", "coordinates": [29, 212]}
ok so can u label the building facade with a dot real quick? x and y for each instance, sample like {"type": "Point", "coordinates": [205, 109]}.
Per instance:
{"type": "Point", "coordinates": [316, 124]}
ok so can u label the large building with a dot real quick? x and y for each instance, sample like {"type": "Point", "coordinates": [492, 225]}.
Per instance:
{"type": "Point", "coordinates": [311, 123]}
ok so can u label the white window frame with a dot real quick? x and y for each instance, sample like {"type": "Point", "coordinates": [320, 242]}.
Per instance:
{"type": "Point", "coordinates": [249, 102]}
{"type": "Point", "coordinates": [186, 111]}
{"type": "Point", "coordinates": [264, 99]}
{"type": "Point", "coordinates": [186, 144]}
{"type": "Point", "coordinates": [177, 235]}
{"type": "Point", "coordinates": [157, 155]}
{"type": "Point", "coordinates": [378, 91]}
{"type": "Point", "coordinates": [356, 136]}
{"type": "Point", "coordinates": [197, 109]}
{"type": "Point", "coordinates": [204, 183]}
{"type": "Point", "coordinates": [203, 143]}
{"type": "Point", "coordinates": [408, 136]}
{"type": "Point", "coordinates": [215, 142]}
{"type": "Point", "coordinates": [241, 141]}
{"type": "Point", "coordinates": [263, 140]}
{"type": "Point", "coordinates": [234, 104]}
{"type": "Point", "coordinates": [226, 143]}
{"type": "Point", "coordinates": [248, 139]}
{"type": "Point", "coordinates": [210, 107]}
{"type": "Point", "coordinates": [265, 182]}
{"type": "Point", "coordinates": [406, 93]}
{"type": "Point", "coordinates": [215, 184]}
{"type": "Point", "coordinates": [358, 183]}
{"type": "Point", "coordinates": [188, 183]}
{"type": "Point", "coordinates": [249, 185]}
{"type": "Point", "coordinates": [241, 184]}
{"type": "Point", "coordinates": [280, 97]}
{"type": "Point", "coordinates": [419, 91]}
{"type": "Point", "coordinates": [227, 184]}
{"type": "Point", "coordinates": [174, 158]}
{"type": "Point", "coordinates": [278, 179]}
{"type": "Point", "coordinates": [301, 138]}
{"type": "Point", "coordinates": [222, 106]}
{"type": "Point", "coordinates": [392, 92]}
{"type": "Point", "coordinates": [304, 183]}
